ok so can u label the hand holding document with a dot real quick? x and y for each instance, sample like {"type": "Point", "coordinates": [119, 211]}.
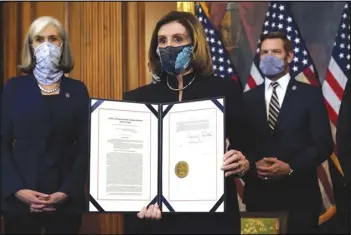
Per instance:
{"type": "Point", "coordinates": [169, 154]}
{"type": "Point", "coordinates": [152, 212]}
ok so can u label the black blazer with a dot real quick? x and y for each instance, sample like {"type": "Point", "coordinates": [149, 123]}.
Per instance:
{"type": "Point", "coordinates": [25, 138]}
{"type": "Point", "coordinates": [343, 134]}
{"type": "Point", "coordinates": [302, 138]}
{"type": "Point", "coordinates": [202, 87]}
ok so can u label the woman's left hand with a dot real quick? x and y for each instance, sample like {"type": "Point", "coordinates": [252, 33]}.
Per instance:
{"type": "Point", "coordinates": [57, 198]}
{"type": "Point", "coordinates": [235, 163]}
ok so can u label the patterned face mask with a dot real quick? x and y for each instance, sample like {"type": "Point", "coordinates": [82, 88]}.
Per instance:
{"type": "Point", "coordinates": [175, 60]}
{"type": "Point", "coordinates": [47, 60]}
{"type": "Point", "coordinates": [271, 65]}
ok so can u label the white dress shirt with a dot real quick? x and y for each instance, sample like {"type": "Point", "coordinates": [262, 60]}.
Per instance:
{"type": "Point", "coordinates": [281, 90]}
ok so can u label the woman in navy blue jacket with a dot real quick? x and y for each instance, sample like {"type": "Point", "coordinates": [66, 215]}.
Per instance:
{"type": "Point", "coordinates": [44, 137]}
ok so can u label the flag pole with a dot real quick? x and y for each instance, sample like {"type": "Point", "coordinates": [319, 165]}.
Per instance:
{"type": "Point", "coordinates": [186, 6]}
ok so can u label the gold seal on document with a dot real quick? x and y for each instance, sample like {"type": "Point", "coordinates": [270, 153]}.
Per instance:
{"type": "Point", "coordinates": [181, 169]}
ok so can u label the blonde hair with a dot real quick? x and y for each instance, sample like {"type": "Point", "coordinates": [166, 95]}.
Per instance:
{"type": "Point", "coordinates": [37, 26]}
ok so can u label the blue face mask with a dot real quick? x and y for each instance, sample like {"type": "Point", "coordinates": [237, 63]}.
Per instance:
{"type": "Point", "coordinates": [271, 65]}
{"type": "Point", "coordinates": [175, 60]}
{"type": "Point", "coordinates": [47, 60]}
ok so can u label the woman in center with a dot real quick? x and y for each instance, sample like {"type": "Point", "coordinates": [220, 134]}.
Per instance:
{"type": "Point", "coordinates": [180, 58]}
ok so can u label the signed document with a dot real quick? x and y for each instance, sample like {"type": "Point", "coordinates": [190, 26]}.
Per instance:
{"type": "Point", "coordinates": [165, 153]}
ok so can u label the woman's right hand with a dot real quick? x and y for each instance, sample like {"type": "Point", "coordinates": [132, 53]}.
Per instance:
{"type": "Point", "coordinates": [37, 201]}
{"type": "Point", "coordinates": [30, 196]}
{"type": "Point", "coordinates": [152, 212]}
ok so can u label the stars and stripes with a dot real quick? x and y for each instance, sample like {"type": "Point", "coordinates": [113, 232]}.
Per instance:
{"type": "Point", "coordinates": [279, 19]}
{"type": "Point", "coordinates": [336, 74]}
{"type": "Point", "coordinates": [222, 65]}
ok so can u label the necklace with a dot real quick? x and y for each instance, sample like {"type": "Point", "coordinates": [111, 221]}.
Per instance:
{"type": "Point", "coordinates": [49, 91]}
{"type": "Point", "coordinates": [174, 89]}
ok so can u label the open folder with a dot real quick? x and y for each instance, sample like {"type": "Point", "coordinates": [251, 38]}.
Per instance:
{"type": "Point", "coordinates": [170, 154]}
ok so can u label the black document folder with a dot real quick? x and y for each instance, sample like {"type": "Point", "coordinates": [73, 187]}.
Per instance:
{"type": "Point", "coordinates": [169, 153]}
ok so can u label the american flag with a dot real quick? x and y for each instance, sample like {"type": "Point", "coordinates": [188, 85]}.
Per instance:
{"type": "Point", "coordinates": [336, 75]}
{"type": "Point", "coordinates": [279, 19]}
{"type": "Point", "coordinates": [222, 64]}
{"type": "Point", "coordinates": [222, 67]}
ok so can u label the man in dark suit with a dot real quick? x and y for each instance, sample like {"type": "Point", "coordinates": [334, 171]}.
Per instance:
{"type": "Point", "coordinates": [343, 134]}
{"type": "Point", "coordinates": [291, 137]}
{"type": "Point", "coordinates": [343, 138]}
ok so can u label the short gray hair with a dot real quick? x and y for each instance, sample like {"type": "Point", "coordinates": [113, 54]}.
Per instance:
{"type": "Point", "coordinates": [38, 25]}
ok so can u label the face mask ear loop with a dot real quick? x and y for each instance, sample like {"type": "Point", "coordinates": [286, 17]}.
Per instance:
{"type": "Point", "coordinates": [33, 48]}
{"type": "Point", "coordinates": [158, 52]}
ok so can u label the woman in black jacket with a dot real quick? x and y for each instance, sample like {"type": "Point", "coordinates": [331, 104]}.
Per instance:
{"type": "Point", "coordinates": [180, 57]}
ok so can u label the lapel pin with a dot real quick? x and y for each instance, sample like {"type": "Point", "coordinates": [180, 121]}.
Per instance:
{"type": "Point", "coordinates": [294, 88]}
{"type": "Point", "coordinates": [67, 95]}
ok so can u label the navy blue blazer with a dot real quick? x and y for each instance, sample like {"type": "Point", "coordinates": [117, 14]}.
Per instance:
{"type": "Point", "coordinates": [25, 136]}
{"type": "Point", "coordinates": [302, 138]}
